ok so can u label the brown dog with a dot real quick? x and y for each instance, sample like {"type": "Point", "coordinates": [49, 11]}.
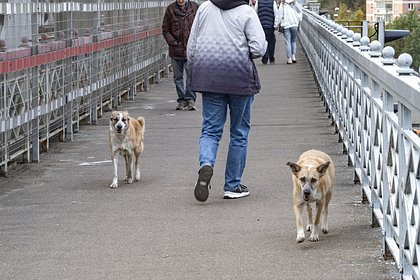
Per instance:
{"type": "Point", "coordinates": [312, 178]}
{"type": "Point", "coordinates": [126, 139]}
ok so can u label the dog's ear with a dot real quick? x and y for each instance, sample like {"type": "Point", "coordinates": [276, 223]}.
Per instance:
{"type": "Point", "coordinates": [295, 168]}
{"type": "Point", "coordinates": [322, 169]}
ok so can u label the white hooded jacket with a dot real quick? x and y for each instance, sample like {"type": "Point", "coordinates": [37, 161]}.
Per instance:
{"type": "Point", "coordinates": [221, 44]}
{"type": "Point", "coordinates": [290, 14]}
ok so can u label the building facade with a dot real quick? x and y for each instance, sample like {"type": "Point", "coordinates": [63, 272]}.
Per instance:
{"type": "Point", "coordinates": [387, 10]}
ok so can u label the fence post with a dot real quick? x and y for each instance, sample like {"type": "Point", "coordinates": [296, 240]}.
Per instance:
{"type": "Point", "coordinates": [34, 127]}
{"type": "Point", "coordinates": [381, 33]}
{"type": "Point", "coordinates": [365, 30]}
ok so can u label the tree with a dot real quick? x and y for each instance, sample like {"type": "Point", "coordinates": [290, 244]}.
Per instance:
{"type": "Point", "coordinates": [330, 5]}
{"type": "Point", "coordinates": [343, 15]}
{"type": "Point", "coordinates": [358, 16]}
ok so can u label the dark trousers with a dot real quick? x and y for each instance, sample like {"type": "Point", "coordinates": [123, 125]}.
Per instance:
{"type": "Point", "coordinates": [271, 40]}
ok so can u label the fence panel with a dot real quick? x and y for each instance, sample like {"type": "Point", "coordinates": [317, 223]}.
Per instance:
{"type": "Point", "coordinates": [62, 62]}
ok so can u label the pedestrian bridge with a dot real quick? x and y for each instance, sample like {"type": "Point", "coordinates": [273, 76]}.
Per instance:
{"type": "Point", "coordinates": [369, 99]}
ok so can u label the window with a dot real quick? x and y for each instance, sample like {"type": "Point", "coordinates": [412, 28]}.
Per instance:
{"type": "Point", "coordinates": [410, 6]}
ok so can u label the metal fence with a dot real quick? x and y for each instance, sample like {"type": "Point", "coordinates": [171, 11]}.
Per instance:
{"type": "Point", "coordinates": [62, 62]}
{"type": "Point", "coordinates": [374, 103]}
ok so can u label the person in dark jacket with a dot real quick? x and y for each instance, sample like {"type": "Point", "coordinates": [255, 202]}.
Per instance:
{"type": "Point", "coordinates": [176, 26]}
{"type": "Point", "coordinates": [267, 13]}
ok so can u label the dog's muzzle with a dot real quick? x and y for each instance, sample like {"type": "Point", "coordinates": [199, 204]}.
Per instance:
{"type": "Point", "coordinates": [306, 194]}
{"type": "Point", "coordinates": [119, 128]}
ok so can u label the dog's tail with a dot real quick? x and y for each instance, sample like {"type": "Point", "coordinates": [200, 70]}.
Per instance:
{"type": "Point", "coordinates": [142, 124]}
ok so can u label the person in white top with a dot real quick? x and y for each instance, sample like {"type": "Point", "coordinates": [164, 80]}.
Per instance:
{"type": "Point", "coordinates": [290, 15]}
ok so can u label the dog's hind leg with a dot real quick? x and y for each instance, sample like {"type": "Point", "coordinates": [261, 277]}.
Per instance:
{"type": "Point", "coordinates": [137, 167]}
{"type": "Point", "coordinates": [300, 233]}
{"type": "Point", "coordinates": [315, 230]}
{"type": "Point", "coordinates": [310, 225]}
{"type": "Point", "coordinates": [115, 164]}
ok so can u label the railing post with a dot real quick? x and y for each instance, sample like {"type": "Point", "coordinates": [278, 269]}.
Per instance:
{"type": "Point", "coordinates": [404, 123]}
{"type": "Point", "coordinates": [95, 69]}
{"type": "Point", "coordinates": [388, 106]}
{"type": "Point", "coordinates": [365, 31]}
{"type": "Point", "coordinates": [381, 33]}
{"type": "Point", "coordinates": [68, 80]}
{"type": "Point", "coordinates": [34, 127]}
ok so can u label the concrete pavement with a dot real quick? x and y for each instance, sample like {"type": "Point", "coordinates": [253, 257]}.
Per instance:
{"type": "Point", "coordinates": [60, 220]}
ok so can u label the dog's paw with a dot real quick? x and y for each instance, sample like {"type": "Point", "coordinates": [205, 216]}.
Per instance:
{"type": "Point", "coordinates": [300, 237]}
{"type": "Point", "coordinates": [325, 230]}
{"type": "Point", "coordinates": [114, 183]}
{"type": "Point", "coordinates": [130, 180]}
{"type": "Point", "coordinates": [314, 238]}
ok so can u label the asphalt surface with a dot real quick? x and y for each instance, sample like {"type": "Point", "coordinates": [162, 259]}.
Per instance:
{"type": "Point", "coordinates": [60, 220]}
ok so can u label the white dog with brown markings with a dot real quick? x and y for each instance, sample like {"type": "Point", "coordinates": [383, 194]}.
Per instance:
{"type": "Point", "coordinates": [312, 178]}
{"type": "Point", "coordinates": [126, 139]}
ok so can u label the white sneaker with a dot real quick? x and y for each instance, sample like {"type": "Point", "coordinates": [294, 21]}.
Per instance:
{"type": "Point", "coordinates": [294, 58]}
{"type": "Point", "coordinates": [241, 191]}
{"type": "Point", "coordinates": [289, 61]}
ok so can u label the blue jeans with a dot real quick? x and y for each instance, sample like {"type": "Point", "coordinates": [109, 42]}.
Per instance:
{"type": "Point", "coordinates": [290, 35]}
{"type": "Point", "coordinates": [183, 90]}
{"type": "Point", "coordinates": [215, 108]}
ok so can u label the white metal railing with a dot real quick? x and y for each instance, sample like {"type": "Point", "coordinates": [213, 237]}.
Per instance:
{"type": "Point", "coordinates": [374, 102]}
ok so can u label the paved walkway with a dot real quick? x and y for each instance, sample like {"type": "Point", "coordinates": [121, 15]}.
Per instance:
{"type": "Point", "coordinates": [60, 220]}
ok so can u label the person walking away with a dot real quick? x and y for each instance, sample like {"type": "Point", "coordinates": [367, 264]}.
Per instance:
{"type": "Point", "coordinates": [225, 37]}
{"type": "Point", "coordinates": [176, 26]}
{"type": "Point", "coordinates": [290, 15]}
{"type": "Point", "coordinates": [267, 13]}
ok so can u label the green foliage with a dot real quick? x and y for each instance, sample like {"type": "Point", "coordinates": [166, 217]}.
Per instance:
{"type": "Point", "coordinates": [343, 15]}
{"type": "Point", "coordinates": [348, 18]}
{"type": "Point", "coordinates": [351, 5]}
{"type": "Point", "coordinates": [358, 16]}
{"type": "Point", "coordinates": [409, 44]}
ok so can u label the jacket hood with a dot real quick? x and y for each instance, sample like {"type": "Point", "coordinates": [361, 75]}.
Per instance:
{"type": "Point", "coordinates": [229, 4]}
